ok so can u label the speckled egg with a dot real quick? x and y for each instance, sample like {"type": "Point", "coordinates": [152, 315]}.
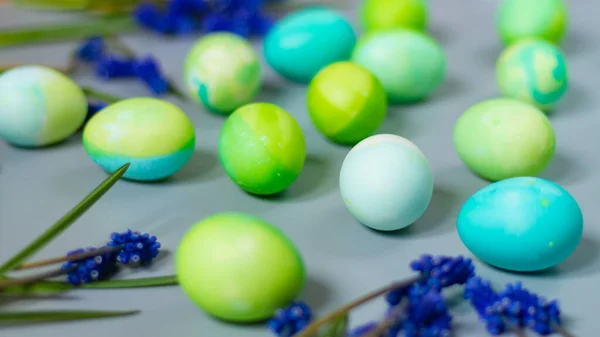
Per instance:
{"type": "Point", "coordinates": [522, 19]}
{"type": "Point", "coordinates": [39, 106]}
{"type": "Point", "coordinates": [386, 182]}
{"type": "Point", "coordinates": [346, 102]}
{"type": "Point", "coordinates": [237, 267]}
{"type": "Point", "coordinates": [521, 224]}
{"type": "Point", "coordinates": [388, 14]}
{"type": "Point", "coordinates": [504, 138]}
{"type": "Point", "coordinates": [155, 136]}
{"type": "Point", "coordinates": [533, 71]}
{"type": "Point", "coordinates": [304, 42]}
{"type": "Point", "coordinates": [409, 64]}
{"type": "Point", "coordinates": [262, 148]}
{"type": "Point", "coordinates": [222, 72]}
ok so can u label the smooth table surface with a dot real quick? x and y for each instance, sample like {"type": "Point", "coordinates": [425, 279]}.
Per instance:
{"type": "Point", "coordinates": [344, 259]}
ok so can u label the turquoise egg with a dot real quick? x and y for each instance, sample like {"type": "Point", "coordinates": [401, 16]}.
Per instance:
{"type": "Point", "coordinates": [306, 41]}
{"type": "Point", "coordinates": [521, 224]}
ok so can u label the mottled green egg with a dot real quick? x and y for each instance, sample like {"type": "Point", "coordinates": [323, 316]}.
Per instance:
{"type": "Point", "coordinates": [523, 19]}
{"type": "Point", "coordinates": [387, 14]}
{"type": "Point", "coordinates": [409, 64]}
{"type": "Point", "coordinates": [222, 72]}
{"type": "Point", "coordinates": [237, 267]}
{"type": "Point", "coordinates": [39, 106]}
{"type": "Point", "coordinates": [533, 71]}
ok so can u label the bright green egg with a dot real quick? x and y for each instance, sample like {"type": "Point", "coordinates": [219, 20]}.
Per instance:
{"type": "Point", "coordinates": [39, 106]}
{"type": "Point", "coordinates": [346, 102]}
{"type": "Point", "coordinates": [222, 72]}
{"type": "Point", "coordinates": [504, 138]}
{"type": "Point", "coordinates": [522, 19]}
{"type": "Point", "coordinates": [154, 136]}
{"type": "Point", "coordinates": [533, 71]}
{"type": "Point", "coordinates": [387, 14]}
{"type": "Point", "coordinates": [237, 267]}
{"type": "Point", "coordinates": [262, 148]}
{"type": "Point", "coordinates": [409, 64]}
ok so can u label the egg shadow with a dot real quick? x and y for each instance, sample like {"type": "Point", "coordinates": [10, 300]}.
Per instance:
{"type": "Point", "coordinates": [488, 55]}
{"type": "Point", "coordinates": [441, 34]}
{"type": "Point", "coordinates": [575, 43]}
{"type": "Point", "coordinates": [203, 165]}
{"type": "Point", "coordinates": [564, 169]}
{"type": "Point", "coordinates": [316, 293]}
{"type": "Point", "coordinates": [577, 100]}
{"type": "Point", "coordinates": [449, 89]}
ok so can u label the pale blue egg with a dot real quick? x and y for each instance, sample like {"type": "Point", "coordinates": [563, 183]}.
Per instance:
{"type": "Point", "coordinates": [306, 41]}
{"type": "Point", "coordinates": [386, 182]}
{"type": "Point", "coordinates": [521, 224]}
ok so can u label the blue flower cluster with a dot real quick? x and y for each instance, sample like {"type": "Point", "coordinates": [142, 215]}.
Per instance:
{"type": "Point", "coordinates": [290, 320]}
{"type": "Point", "coordinates": [515, 305]}
{"type": "Point", "coordinates": [134, 248]}
{"type": "Point", "coordinates": [93, 108]}
{"type": "Point", "coordinates": [243, 17]}
{"type": "Point", "coordinates": [111, 66]}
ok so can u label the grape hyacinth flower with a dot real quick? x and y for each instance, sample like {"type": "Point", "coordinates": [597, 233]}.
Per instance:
{"type": "Point", "coordinates": [112, 67]}
{"type": "Point", "coordinates": [290, 320]}
{"type": "Point", "coordinates": [139, 249]}
{"type": "Point", "coordinates": [362, 329]}
{"type": "Point", "coordinates": [485, 301]}
{"type": "Point", "coordinates": [91, 50]}
{"type": "Point", "coordinates": [148, 71]}
{"type": "Point", "coordinates": [91, 269]}
{"type": "Point", "coordinates": [426, 312]}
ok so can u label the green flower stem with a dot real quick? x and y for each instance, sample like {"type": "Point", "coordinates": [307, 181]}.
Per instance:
{"type": "Point", "coordinates": [133, 283]}
{"type": "Point", "coordinates": [74, 257]}
{"type": "Point", "coordinates": [11, 282]}
{"type": "Point", "coordinates": [29, 317]}
{"type": "Point", "coordinates": [100, 96]}
{"type": "Point", "coordinates": [52, 4]}
{"type": "Point", "coordinates": [74, 31]}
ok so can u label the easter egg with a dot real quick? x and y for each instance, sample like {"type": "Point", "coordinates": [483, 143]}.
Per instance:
{"type": "Point", "coordinates": [533, 71]}
{"type": "Point", "coordinates": [239, 268]}
{"type": "Point", "coordinates": [386, 182]}
{"type": "Point", "coordinates": [39, 106]}
{"type": "Point", "coordinates": [409, 64]}
{"type": "Point", "coordinates": [522, 19]}
{"type": "Point", "coordinates": [222, 72]}
{"type": "Point", "coordinates": [262, 148]}
{"type": "Point", "coordinates": [302, 43]}
{"type": "Point", "coordinates": [504, 138]}
{"type": "Point", "coordinates": [346, 102]}
{"type": "Point", "coordinates": [154, 136]}
{"type": "Point", "coordinates": [521, 224]}
{"type": "Point", "coordinates": [389, 14]}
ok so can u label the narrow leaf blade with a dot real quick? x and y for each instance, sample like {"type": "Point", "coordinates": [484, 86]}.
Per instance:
{"type": "Point", "coordinates": [134, 283]}
{"type": "Point", "coordinates": [64, 222]}
{"type": "Point", "coordinates": [28, 317]}
{"type": "Point", "coordinates": [337, 327]}
{"type": "Point", "coordinates": [37, 288]}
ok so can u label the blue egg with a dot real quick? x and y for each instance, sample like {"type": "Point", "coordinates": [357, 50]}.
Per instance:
{"type": "Point", "coordinates": [521, 224]}
{"type": "Point", "coordinates": [306, 41]}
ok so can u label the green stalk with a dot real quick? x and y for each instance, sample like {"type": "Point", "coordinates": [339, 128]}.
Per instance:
{"type": "Point", "coordinates": [100, 96]}
{"type": "Point", "coordinates": [73, 31]}
{"type": "Point", "coordinates": [29, 317]}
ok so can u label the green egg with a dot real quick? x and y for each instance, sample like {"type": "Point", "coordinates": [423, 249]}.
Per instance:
{"type": "Point", "coordinates": [239, 268]}
{"type": "Point", "coordinates": [504, 138]}
{"type": "Point", "coordinates": [533, 71]}
{"type": "Point", "coordinates": [346, 102]}
{"type": "Point", "coordinates": [262, 148]}
{"type": "Point", "coordinates": [388, 14]}
{"type": "Point", "coordinates": [523, 19]}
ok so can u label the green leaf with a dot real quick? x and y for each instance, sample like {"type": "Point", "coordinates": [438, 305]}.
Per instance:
{"type": "Point", "coordinates": [64, 222]}
{"type": "Point", "coordinates": [37, 288]}
{"type": "Point", "coordinates": [74, 31]}
{"type": "Point", "coordinates": [337, 327]}
{"type": "Point", "coordinates": [134, 283]}
{"type": "Point", "coordinates": [100, 96]}
{"type": "Point", "coordinates": [28, 317]}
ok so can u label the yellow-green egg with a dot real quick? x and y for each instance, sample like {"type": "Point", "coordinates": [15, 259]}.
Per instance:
{"type": "Point", "coordinates": [39, 106]}
{"type": "Point", "coordinates": [522, 19]}
{"type": "Point", "coordinates": [388, 14]}
{"type": "Point", "coordinates": [238, 267]}
{"type": "Point", "coordinates": [222, 72]}
{"type": "Point", "coordinates": [533, 71]}
{"type": "Point", "coordinates": [346, 102]}
{"type": "Point", "coordinates": [155, 136]}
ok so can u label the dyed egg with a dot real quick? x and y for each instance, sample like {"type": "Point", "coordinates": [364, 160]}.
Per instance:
{"type": "Point", "coordinates": [239, 268]}
{"type": "Point", "coordinates": [262, 148]}
{"type": "Point", "coordinates": [504, 138]}
{"type": "Point", "coordinates": [39, 106]}
{"type": "Point", "coordinates": [222, 72]}
{"type": "Point", "coordinates": [304, 42]}
{"type": "Point", "coordinates": [388, 14]}
{"type": "Point", "coordinates": [409, 64]}
{"type": "Point", "coordinates": [386, 182]}
{"type": "Point", "coordinates": [533, 71]}
{"type": "Point", "coordinates": [346, 102]}
{"type": "Point", "coordinates": [155, 136]}
{"type": "Point", "coordinates": [521, 224]}
{"type": "Point", "coordinates": [522, 19]}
